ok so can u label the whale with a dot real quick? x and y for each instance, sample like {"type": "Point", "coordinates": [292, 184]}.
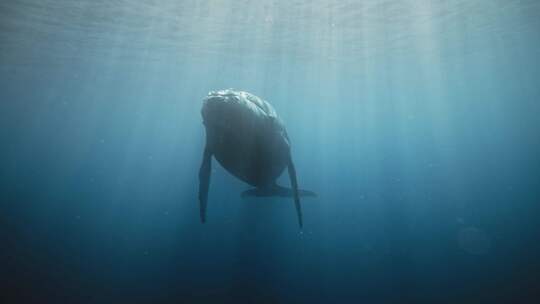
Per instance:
{"type": "Point", "coordinates": [249, 140]}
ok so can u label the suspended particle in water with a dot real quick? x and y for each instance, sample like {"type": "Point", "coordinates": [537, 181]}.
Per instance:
{"type": "Point", "coordinates": [268, 19]}
{"type": "Point", "coordinates": [474, 241]}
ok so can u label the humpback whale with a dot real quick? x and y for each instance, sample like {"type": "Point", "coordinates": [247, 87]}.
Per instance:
{"type": "Point", "coordinates": [247, 138]}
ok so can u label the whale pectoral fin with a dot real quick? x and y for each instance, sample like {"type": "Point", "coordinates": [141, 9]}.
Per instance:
{"type": "Point", "coordinates": [294, 185]}
{"type": "Point", "coordinates": [204, 182]}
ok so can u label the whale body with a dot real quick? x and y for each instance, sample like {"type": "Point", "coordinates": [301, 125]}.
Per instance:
{"type": "Point", "coordinates": [247, 138]}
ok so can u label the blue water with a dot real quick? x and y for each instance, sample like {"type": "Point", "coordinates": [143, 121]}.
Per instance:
{"type": "Point", "coordinates": [416, 122]}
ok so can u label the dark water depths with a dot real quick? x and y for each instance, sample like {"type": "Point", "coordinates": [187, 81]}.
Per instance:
{"type": "Point", "coordinates": [416, 122]}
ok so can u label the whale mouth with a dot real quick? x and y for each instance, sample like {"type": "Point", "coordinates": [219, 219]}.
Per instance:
{"type": "Point", "coordinates": [227, 93]}
{"type": "Point", "coordinates": [229, 109]}
{"type": "Point", "coordinates": [218, 98]}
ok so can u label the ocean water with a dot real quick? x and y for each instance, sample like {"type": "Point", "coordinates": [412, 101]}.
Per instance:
{"type": "Point", "coordinates": [416, 122]}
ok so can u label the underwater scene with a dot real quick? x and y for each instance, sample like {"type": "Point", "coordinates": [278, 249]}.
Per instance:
{"type": "Point", "coordinates": [234, 151]}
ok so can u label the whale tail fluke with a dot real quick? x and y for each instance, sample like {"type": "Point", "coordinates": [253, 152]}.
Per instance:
{"type": "Point", "coordinates": [276, 190]}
